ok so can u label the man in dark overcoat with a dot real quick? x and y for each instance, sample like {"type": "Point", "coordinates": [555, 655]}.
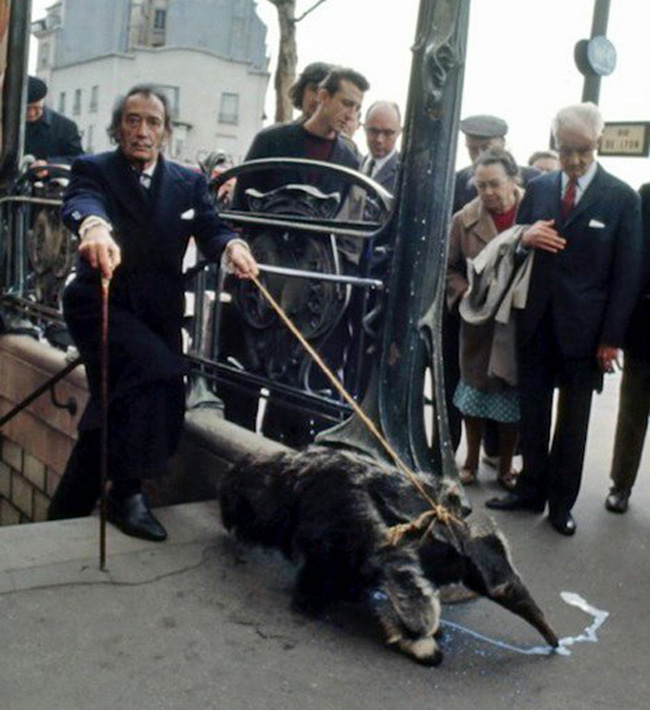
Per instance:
{"type": "Point", "coordinates": [634, 398]}
{"type": "Point", "coordinates": [134, 213]}
{"type": "Point", "coordinates": [585, 228]}
{"type": "Point", "coordinates": [48, 134]}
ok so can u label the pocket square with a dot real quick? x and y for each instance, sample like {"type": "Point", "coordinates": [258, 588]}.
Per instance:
{"type": "Point", "coordinates": [188, 214]}
{"type": "Point", "coordinates": [596, 224]}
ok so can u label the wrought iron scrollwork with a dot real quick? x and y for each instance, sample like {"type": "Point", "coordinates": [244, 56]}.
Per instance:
{"type": "Point", "coordinates": [315, 306]}
{"type": "Point", "coordinates": [441, 54]}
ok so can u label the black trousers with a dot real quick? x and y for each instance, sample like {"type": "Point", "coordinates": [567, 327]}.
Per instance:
{"type": "Point", "coordinates": [144, 426]}
{"type": "Point", "coordinates": [632, 422]}
{"type": "Point", "coordinates": [553, 467]}
{"type": "Point", "coordinates": [451, 369]}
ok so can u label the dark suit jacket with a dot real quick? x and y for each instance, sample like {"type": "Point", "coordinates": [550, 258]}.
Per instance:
{"type": "Point", "coordinates": [637, 339]}
{"type": "Point", "coordinates": [465, 192]}
{"type": "Point", "coordinates": [152, 228]}
{"type": "Point", "coordinates": [53, 137]}
{"type": "Point", "coordinates": [591, 285]}
{"type": "Point", "coordinates": [288, 141]}
{"type": "Point", "coordinates": [387, 174]}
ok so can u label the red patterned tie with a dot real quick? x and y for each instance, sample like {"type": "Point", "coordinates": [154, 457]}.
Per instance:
{"type": "Point", "coordinates": [569, 198]}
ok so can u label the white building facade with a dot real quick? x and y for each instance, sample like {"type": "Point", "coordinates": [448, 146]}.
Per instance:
{"type": "Point", "coordinates": [92, 52]}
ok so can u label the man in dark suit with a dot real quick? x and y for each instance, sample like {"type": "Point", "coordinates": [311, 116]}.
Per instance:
{"type": "Point", "coordinates": [318, 138]}
{"type": "Point", "coordinates": [134, 213]}
{"type": "Point", "coordinates": [383, 128]}
{"type": "Point", "coordinates": [585, 228]}
{"type": "Point", "coordinates": [634, 402]}
{"type": "Point", "coordinates": [48, 134]}
{"type": "Point", "coordinates": [481, 133]}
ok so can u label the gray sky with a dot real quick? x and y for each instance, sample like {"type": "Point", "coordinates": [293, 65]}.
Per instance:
{"type": "Point", "coordinates": [519, 65]}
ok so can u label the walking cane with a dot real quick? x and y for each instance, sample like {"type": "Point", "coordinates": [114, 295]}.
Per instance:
{"type": "Point", "coordinates": [103, 403]}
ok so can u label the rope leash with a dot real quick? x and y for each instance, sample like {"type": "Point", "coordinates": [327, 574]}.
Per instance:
{"type": "Point", "coordinates": [396, 533]}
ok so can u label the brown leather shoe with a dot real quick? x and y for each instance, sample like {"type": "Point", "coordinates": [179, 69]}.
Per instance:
{"type": "Point", "coordinates": [617, 501]}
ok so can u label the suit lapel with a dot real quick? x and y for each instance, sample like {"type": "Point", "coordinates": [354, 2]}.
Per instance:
{"type": "Point", "coordinates": [167, 195]}
{"type": "Point", "coordinates": [385, 174]}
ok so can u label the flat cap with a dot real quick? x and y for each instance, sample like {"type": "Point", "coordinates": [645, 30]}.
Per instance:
{"type": "Point", "coordinates": [36, 89]}
{"type": "Point", "coordinates": [484, 126]}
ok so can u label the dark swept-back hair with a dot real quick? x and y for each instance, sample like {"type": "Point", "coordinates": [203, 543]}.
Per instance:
{"type": "Point", "coordinates": [120, 103]}
{"type": "Point", "coordinates": [493, 156]}
{"type": "Point", "coordinates": [332, 82]}
{"type": "Point", "coordinates": [313, 74]}
{"type": "Point", "coordinates": [541, 154]}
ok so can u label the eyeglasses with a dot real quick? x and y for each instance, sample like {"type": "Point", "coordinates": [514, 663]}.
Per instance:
{"type": "Point", "coordinates": [567, 150]}
{"type": "Point", "coordinates": [376, 132]}
{"type": "Point", "coordinates": [492, 184]}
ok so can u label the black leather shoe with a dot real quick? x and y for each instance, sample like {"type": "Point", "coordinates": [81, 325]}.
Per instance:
{"type": "Point", "coordinates": [564, 524]}
{"type": "Point", "coordinates": [133, 517]}
{"type": "Point", "coordinates": [513, 501]}
{"type": "Point", "coordinates": [617, 501]}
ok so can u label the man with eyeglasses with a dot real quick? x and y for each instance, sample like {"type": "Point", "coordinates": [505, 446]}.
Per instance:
{"type": "Point", "coordinates": [383, 128]}
{"type": "Point", "coordinates": [585, 230]}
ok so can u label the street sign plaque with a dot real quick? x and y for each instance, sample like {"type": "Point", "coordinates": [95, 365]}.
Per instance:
{"type": "Point", "coordinates": [625, 139]}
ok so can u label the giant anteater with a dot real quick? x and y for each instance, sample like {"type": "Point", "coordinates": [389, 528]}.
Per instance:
{"type": "Point", "coordinates": [332, 511]}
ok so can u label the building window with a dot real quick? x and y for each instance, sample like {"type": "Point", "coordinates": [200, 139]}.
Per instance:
{"type": "Point", "coordinates": [229, 112]}
{"type": "Point", "coordinates": [94, 99]}
{"type": "Point", "coordinates": [159, 20]}
{"type": "Point", "coordinates": [76, 106]}
{"type": "Point", "coordinates": [89, 139]}
{"type": "Point", "coordinates": [62, 102]}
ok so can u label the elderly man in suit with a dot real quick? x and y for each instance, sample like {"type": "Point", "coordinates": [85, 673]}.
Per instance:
{"type": "Point", "coordinates": [134, 213]}
{"type": "Point", "coordinates": [585, 228]}
{"type": "Point", "coordinates": [634, 402]}
{"type": "Point", "coordinates": [383, 126]}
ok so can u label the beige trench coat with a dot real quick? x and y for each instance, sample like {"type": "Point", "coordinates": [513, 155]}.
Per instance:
{"type": "Point", "coordinates": [471, 229]}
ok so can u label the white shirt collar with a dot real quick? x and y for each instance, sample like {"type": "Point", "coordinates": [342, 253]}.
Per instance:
{"type": "Point", "coordinates": [583, 182]}
{"type": "Point", "coordinates": [379, 162]}
{"type": "Point", "coordinates": [150, 170]}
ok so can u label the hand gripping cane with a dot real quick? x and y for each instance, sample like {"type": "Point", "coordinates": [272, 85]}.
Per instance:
{"type": "Point", "coordinates": [103, 403]}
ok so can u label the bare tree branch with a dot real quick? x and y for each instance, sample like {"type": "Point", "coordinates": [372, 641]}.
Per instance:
{"type": "Point", "coordinates": [306, 12]}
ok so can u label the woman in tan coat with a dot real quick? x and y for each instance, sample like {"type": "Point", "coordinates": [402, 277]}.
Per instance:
{"type": "Point", "coordinates": [479, 396]}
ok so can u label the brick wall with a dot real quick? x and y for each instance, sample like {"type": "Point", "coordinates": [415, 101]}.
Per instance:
{"type": "Point", "coordinates": [35, 445]}
{"type": "Point", "coordinates": [26, 485]}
